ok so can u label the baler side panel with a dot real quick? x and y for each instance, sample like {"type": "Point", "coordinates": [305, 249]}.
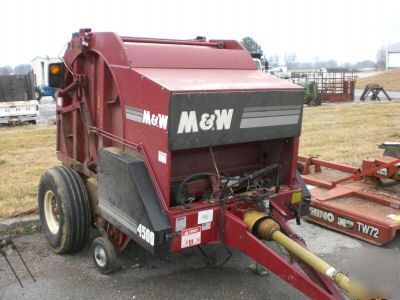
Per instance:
{"type": "Point", "coordinates": [127, 199]}
{"type": "Point", "coordinates": [145, 114]}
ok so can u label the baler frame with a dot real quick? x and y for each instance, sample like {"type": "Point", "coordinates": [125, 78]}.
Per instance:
{"type": "Point", "coordinates": [111, 156]}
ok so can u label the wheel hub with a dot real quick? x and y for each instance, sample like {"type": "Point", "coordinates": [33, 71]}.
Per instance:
{"type": "Point", "coordinates": [100, 256]}
{"type": "Point", "coordinates": [51, 212]}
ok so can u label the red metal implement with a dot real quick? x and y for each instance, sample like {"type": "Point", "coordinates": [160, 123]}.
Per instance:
{"type": "Point", "coordinates": [350, 200]}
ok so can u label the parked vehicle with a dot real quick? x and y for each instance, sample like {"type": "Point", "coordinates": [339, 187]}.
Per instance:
{"type": "Point", "coordinates": [259, 60]}
{"type": "Point", "coordinates": [17, 104]}
{"type": "Point", "coordinates": [40, 66]}
{"type": "Point", "coordinates": [280, 72]}
{"type": "Point", "coordinates": [311, 97]}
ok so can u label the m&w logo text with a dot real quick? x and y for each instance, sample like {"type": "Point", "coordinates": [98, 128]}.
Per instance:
{"type": "Point", "coordinates": [220, 119]}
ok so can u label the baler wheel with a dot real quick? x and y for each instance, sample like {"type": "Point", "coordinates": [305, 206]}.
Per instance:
{"type": "Point", "coordinates": [64, 209]}
{"type": "Point", "coordinates": [104, 255]}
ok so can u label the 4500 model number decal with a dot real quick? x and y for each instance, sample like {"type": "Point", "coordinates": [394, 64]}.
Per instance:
{"type": "Point", "coordinates": [146, 234]}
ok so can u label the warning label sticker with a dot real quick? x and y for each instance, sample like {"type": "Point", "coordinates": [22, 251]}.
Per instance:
{"type": "Point", "coordinates": [191, 237]}
{"type": "Point", "coordinates": [394, 217]}
{"type": "Point", "coordinates": [180, 223]}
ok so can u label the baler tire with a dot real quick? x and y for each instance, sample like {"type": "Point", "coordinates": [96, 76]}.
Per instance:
{"type": "Point", "coordinates": [66, 220]}
{"type": "Point", "coordinates": [104, 255]}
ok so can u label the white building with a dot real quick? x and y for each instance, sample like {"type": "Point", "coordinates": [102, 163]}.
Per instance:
{"type": "Point", "coordinates": [40, 69]}
{"type": "Point", "coordinates": [393, 56]}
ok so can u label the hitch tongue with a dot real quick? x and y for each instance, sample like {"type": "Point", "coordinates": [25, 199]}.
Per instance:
{"type": "Point", "coordinates": [261, 225]}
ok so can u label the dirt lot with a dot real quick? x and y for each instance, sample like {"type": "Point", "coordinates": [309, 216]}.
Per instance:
{"type": "Point", "coordinates": [345, 133]}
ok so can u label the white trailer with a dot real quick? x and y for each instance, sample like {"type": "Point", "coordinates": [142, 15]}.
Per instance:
{"type": "Point", "coordinates": [17, 104]}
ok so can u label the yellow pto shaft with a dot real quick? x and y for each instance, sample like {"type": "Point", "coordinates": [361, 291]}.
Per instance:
{"type": "Point", "coordinates": [265, 227]}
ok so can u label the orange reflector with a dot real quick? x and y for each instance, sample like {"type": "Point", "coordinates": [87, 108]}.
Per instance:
{"type": "Point", "coordinates": [55, 69]}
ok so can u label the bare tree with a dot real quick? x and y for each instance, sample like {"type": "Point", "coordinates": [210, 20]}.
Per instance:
{"type": "Point", "coordinates": [381, 58]}
{"type": "Point", "coordinates": [6, 70]}
{"type": "Point", "coordinates": [290, 59]}
{"type": "Point", "coordinates": [274, 60]}
{"type": "Point", "coordinates": [316, 62]}
{"type": "Point", "coordinates": [22, 69]}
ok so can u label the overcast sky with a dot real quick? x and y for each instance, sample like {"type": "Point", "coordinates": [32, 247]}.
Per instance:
{"type": "Point", "coordinates": [350, 30]}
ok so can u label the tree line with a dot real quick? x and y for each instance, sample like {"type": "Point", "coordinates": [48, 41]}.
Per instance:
{"type": "Point", "coordinates": [290, 61]}
{"type": "Point", "coordinates": [17, 70]}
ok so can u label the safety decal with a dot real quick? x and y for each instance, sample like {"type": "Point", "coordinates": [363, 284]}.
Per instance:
{"type": "Point", "coordinates": [205, 216]}
{"type": "Point", "coordinates": [180, 223]}
{"type": "Point", "coordinates": [394, 217]}
{"type": "Point", "coordinates": [191, 237]}
{"type": "Point", "coordinates": [162, 157]}
{"type": "Point", "coordinates": [205, 226]}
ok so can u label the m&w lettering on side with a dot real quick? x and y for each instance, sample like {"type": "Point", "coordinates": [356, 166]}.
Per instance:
{"type": "Point", "coordinates": [157, 120]}
{"type": "Point", "coordinates": [219, 120]}
{"type": "Point", "coordinates": [146, 117]}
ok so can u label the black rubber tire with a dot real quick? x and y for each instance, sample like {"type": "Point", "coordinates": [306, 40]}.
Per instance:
{"type": "Point", "coordinates": [38, 94]}
{"type": "Point", "coordinates": [73, 209]}
{"type": "Point", "coordinates": [110, 263]}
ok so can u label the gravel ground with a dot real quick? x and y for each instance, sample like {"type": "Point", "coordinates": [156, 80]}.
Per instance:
{"type": "Point", "coordinates": [181, 275]}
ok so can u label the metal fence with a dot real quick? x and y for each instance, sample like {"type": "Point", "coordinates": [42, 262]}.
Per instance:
{"type": "Point", "coordinates": [332, 86]}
